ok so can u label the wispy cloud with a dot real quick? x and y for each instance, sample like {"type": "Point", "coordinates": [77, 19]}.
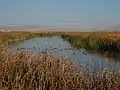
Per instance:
{"type": "Point", "coordinates": [73, 22]}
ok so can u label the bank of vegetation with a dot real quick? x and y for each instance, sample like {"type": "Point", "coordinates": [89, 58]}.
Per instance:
{"type": "Point", "coordinates": [15, 37]}
{"type": "Point", "coordinates": [107, 45]}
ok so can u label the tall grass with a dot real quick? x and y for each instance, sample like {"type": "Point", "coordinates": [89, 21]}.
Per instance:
{"type": "Point", "coordinates": [19, 36]}
{"type": "Point", "coordinates": [24, 71]}
{"type": "Point", "coordinates": [109, 45]}
{"type": "Point", "coordinates": [13, 37]}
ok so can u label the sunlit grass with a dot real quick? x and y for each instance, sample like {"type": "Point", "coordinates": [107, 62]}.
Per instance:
{"type": "Point", "coordinates": [105, 44]}
{"type": "Point", "coordinates": [18, 36]}
{"type": "Point", "coordinates": [24, 71]}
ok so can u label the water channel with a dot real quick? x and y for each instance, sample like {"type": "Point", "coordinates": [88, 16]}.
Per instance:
{"type": "Point", "coordinates": [63, 49]}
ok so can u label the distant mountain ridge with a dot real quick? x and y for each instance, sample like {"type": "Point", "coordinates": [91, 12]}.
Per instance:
{"type": "Point", "coordinates": [41, 27]}
{"type": "Point", "coordinates": [26, 27]}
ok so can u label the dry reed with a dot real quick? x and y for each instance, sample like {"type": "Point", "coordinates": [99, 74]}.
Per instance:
{"type": "Point", "coordinates": [24, 71]}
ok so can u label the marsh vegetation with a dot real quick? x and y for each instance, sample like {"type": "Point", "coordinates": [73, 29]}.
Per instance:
{"type": "Point", "coordinates": [108, 45]}
{"type": "Point", "coordinates": [25, 71]}
{"type": "Point", "coordinates": [22, 71]}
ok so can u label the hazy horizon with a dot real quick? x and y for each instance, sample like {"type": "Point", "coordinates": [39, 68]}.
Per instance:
{"type": "Point", "coordinates": [60, 14]}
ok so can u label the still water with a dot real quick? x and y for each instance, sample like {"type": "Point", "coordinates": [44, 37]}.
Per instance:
{"type": "Point", "coordinates": [63, 49]}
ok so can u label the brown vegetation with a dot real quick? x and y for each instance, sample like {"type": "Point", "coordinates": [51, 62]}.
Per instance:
{"type": "Point", "coordinates": [8, 37]}
{"type": "Point", "coordinates": [22, 71]}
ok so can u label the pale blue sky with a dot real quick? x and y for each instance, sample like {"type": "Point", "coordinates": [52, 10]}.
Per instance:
{"type": "Point", "coordinates": [60, 13]}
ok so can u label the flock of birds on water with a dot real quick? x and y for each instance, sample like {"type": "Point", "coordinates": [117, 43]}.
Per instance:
{"type": "Point", "coordinates": [45, 50]}
{"type": "Point", "coordinates": [50, 49]}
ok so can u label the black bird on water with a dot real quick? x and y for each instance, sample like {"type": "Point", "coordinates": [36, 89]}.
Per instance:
{"type": "Point", "coordinates": [66, 49]}
{"type": "Point", "coordinates": [44, 51]}
{"type": "Point", "coordinates": [74, 53]}
{"type": "Point", "coordinates": [84, 53]}
{"type": "Point", "coordinates": [17, 49]}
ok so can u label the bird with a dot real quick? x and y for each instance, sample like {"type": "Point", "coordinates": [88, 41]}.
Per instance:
{"type": "Point", "coordinates": [21, 49]}
{"type": "Point", "coordinates": [17, 49]}
{"type": "Point", "coordinates": [84, 53]}
{"type": "Point", "coordinates": [73, 52]}
{"type": "Point", "coordinates": [66, 49]}
{"type": "Point", "coordinates": [34, 48]}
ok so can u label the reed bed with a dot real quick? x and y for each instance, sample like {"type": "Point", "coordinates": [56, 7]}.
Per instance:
{"type": "Point", "coordinates": [24, 71]}
{"type": "Point", "coordinates": [106, 45]}
{"type": "Point", "coordinates": [15, 37]}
